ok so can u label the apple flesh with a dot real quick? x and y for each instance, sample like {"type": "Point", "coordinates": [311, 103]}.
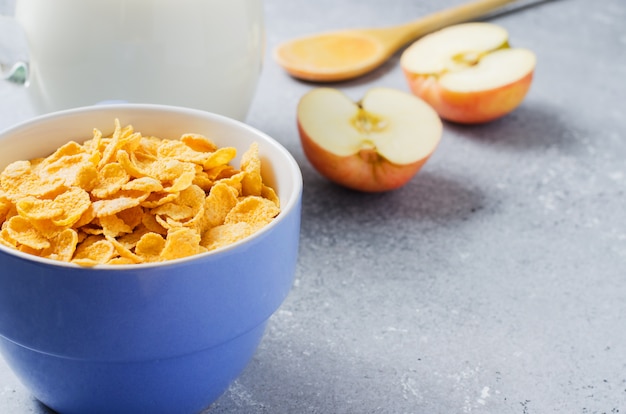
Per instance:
{"type": "Point", "coordinates": [376, 144]}
{"type": "Point", "coordinates": [468, 72]}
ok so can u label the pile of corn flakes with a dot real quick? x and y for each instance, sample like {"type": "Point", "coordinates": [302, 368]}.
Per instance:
{"type": "Point", "coordinates": [129, 198]}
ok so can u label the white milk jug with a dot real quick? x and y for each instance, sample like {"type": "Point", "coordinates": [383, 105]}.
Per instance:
{"type": "Point", "coordinates": [203, 54]}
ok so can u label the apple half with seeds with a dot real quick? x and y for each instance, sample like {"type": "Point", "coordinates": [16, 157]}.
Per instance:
{"type": "Point", "coordinates": [374, 145]}
{"type": "Point", "coordinates": [468, 72]}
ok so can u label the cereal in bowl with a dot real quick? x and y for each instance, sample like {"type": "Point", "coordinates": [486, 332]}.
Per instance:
{"type": "Point", "coordinates": [129, 198]}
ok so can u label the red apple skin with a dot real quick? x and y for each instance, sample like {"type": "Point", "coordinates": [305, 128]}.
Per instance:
{"type": "Point", "coordinates": [469, 107]}
{"type": "Point", "coordinates": [366, 171]}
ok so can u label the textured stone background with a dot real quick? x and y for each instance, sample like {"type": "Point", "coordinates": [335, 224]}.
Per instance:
{"type": "Point", "coordinates": [493, 283]}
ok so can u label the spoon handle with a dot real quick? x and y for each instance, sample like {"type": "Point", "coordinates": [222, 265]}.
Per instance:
{"type": "Point", "coordinates": [398, 36]}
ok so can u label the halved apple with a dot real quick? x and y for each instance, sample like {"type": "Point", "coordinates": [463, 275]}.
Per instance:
{"type": "Point", "coordinates": [377, 144]}
{"type": "Point", "coordinates": [468, 72]}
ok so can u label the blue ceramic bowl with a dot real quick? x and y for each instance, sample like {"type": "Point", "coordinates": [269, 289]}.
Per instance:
{"type": "Point", "coordinates": [150, 338]}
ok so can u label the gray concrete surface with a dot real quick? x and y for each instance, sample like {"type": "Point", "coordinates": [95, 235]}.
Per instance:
{"type": "Point", "coordinates": [493, 283]}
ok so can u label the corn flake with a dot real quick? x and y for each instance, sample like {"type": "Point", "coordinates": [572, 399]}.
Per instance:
{"type": "Point", "coordinates": [251, 183]}
{"type": "Point", "coordinates": [111, 178]}
{"type": "Point", "coordinates": [5, 207]}
{"type": "Point", "coordinates": [256, 211]}
{"type": "Point", "coordinates": [34, 208]}
{"type": "Point", "coordinates": [181, 242]}
{"type": "Point", "coordinates": [23, 232]}
{"type": "Point", "coordinates": [219, 202]}
{"type": "Point", "coordinates": [120, 201]}
{"type": "Point", "coordinates": [62, 246]}
{"type": "Point", "coordinates": [198, 142]}
{"type": "Point", "coordinates": [225, 234]}
{"type": "Point", "coordinates": [150, 246]}
{"type": "Point", "coordinates": [73, 204]}
{"type": "Point", "coordinates": [113, 226]}
{"type": "Point", "coordinates": [94, 250]}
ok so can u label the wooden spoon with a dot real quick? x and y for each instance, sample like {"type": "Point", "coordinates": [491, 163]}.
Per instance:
{"type": "Point", "coordinates": [341, 55]}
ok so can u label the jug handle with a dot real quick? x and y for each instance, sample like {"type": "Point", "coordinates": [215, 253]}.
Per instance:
{"type": "Point", "coordinates": [18, 73]}
{"type": "Point", "coordinates": [13, 66]}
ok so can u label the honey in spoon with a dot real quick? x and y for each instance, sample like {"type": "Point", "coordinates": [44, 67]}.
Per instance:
{"type": "Point", "coordinates": [342, 55]}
